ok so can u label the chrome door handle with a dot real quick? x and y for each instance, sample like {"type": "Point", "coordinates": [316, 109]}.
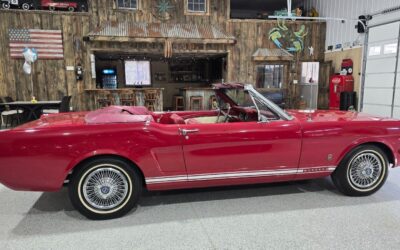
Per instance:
{"type": "Point", "coordinates": [185, 132]}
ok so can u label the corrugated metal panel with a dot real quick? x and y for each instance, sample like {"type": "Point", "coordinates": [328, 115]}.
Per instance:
{"type": "Point", "coordinates": [345, 33]}
{"type": "Point", "coordinates": [272, 53]}
{"type": "Point", "coordinates": [160, 30]}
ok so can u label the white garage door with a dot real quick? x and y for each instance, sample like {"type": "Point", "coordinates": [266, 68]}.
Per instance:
{"type": "Point", "coordinates": [382, 72]}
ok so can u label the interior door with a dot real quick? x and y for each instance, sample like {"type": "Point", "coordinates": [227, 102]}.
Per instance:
{"type": "Point", "coordinates": [241, 150]}
{"type": "Point", "coordinates": [325, 71]}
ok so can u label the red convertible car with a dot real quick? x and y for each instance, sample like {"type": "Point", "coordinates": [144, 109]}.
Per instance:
{"type": "Point", "coordinates": [108, 156]}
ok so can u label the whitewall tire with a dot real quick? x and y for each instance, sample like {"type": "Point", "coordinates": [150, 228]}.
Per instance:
{"type": "Point", "coordinates": [105, 188]}
{"type": "Point", "coordinates": [362, 172]}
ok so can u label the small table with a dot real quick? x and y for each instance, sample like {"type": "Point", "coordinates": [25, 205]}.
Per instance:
{"type": "Point", "coordinates": [32, 111]}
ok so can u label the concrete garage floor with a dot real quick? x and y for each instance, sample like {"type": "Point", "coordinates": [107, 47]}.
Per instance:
{"type": "Point", "coordinates": [300, 215]}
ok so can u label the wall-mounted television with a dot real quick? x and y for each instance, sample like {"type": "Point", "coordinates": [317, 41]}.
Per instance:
{"type": "Point", "coordinates": [137, 73]}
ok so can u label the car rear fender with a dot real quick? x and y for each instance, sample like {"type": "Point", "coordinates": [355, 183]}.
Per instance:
{"type": "Point", "coordinates": [98, 153]}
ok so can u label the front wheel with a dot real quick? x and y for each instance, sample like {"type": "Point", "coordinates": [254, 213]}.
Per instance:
{"type": "Point", "coordinates": [26, 6]}
{"type": "Point", "coordinates": [71, 9]}
{"type": "Point", "coordinates": [362, 172]}
{"type": "Point", "coordinates": [105, 188]}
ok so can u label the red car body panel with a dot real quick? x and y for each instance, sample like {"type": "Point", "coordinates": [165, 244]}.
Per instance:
{"type": "Point", "coordinates": [39, 156]}
{"type": "Point", "coordinates": [60, 5]}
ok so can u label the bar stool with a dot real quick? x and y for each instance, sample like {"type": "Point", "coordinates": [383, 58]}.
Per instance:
{"type": "Point", "coordinates": [128, 98]}
{"type": "Point", "coordinates": [150, 99]}
{"type": "Point", "coordinates": [196, 103]}
{"type": "Point", "coordinates": [179, 103]}
{"type": "Point", "coordinates": [104, 99]}
{"type": "Point", "coordinates": [213, 102]}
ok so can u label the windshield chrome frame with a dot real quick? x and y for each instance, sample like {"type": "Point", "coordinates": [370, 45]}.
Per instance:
{"type": "Point", "coordinates": [274, 108]}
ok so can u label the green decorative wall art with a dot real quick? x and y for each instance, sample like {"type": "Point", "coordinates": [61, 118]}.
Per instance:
{"type": "Point", "coordinates": [287, 39]}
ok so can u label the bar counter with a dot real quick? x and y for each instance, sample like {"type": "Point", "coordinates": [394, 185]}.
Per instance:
{"type": "Point", "coordinates": [152, 98]}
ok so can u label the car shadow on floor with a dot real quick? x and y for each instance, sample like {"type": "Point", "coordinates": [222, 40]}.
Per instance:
{"type": "Point", "coordinates": [53, 213]}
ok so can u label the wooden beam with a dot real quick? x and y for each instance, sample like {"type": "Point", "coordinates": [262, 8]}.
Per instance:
{"type": "Point", "coordinates": [158, 40]}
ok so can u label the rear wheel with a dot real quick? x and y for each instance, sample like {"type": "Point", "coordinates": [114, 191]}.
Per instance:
{"type": "Point", "coordinates": [362, 172]}
{"type": "Point", "coordinates": [6, 6]}
{"type": "Point", "coordinates": [71, 9]}
{"type": "Point", "coordinates": [105, 188]}
{"type": "Point", "coordinates": [52, 8]}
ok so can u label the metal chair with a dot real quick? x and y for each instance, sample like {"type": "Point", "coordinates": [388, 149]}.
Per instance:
{"type": "Point", "coordinates": [104, 99]}
{"type": "Point", "coordinates": [8, 116]}
{"type": "Point", "coordinates": [150, 99]}
{"type": "Point", "coordinates": [196, 103]}
{"type": "Point", "coordinates": [128, 98]}
{"type": "Point", "coordinates": [64, 106]}
{"type": "Point", "coordinates": [179, 104]}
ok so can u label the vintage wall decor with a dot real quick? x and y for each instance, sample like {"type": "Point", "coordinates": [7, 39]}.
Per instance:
{"type": "Point", "coordinates": [287, 39]}
{"type": "Point", "coordinates": [49, 43]}
{"type": "Point", "coordinates": [163, 9]}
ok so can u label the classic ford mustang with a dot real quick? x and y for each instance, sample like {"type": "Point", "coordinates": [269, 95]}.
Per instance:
{"type": "Point", "coordinates": [108, 156]}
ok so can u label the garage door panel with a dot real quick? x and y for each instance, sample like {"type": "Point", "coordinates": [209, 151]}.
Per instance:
{"type": "Point", "coordinates": [378, 96]}
{"type": "Point", "coordinates": [384, 32]}
{"type": "Point", "coordinates": [380, 110]}
{"type": "Point", "coordinates": [397, 95]}
{"type": "Point", "coordinates": [396, 112]}
{"type": "Point", "coordinates": [385, 80]}
{"type": "Point", "coordinates": [381, 65]}
{"type": "Point", "coordinates": [383, 49]}
{"type": "Point", "coordinates": [380, 71]}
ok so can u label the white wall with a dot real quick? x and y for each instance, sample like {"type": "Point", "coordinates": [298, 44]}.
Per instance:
{"type": "Point", "coordinates": [339, 33]}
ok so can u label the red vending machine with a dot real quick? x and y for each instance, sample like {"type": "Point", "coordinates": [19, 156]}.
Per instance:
{"type": "Point", "coordinates": [339, 84]}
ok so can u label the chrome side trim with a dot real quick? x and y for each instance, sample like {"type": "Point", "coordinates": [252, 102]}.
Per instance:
{"type": "Point", "coordinates": [236, 175]}
{"type": "Point", "coordinates": [177, 178]}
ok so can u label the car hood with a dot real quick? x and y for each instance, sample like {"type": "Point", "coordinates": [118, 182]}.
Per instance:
{"type": "Point", "coordinates": [334, 116]}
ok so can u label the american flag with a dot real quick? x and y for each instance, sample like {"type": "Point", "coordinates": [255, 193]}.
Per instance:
{"type": "Point", "coordinates": [48, 43]}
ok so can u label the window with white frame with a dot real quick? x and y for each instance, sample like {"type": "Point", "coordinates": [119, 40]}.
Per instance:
{"type": "Point", "coordinates": [127, 4]}
{"type": "Point", "coordinates": [196, 6]}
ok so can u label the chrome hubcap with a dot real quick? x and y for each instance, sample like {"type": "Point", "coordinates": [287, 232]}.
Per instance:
{"type": "Point", "coordinates": [365, 170]}
{"type": "Point", "coordinates": [105, 188]}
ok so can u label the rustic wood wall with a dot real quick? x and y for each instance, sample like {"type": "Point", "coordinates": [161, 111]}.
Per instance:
{"type": "Point", "coordinates": [254, 34]}
{"type": "Point", "coordinates": [52, 81]}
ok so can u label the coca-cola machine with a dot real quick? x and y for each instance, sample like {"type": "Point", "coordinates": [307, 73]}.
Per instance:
{"type": "Point", "coordinates": [341, 88]}
{"type": "Point", "coordinates": [339, 84]}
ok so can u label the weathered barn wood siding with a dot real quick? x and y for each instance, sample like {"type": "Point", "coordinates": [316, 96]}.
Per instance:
{"type": "Point", "coordinates": [52, 81]}
{"type": "Point", "coordinates": [253, 34]}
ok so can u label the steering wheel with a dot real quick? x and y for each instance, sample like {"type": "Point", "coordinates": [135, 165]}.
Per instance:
{"type": "Point", "coordinates": [227, 116]}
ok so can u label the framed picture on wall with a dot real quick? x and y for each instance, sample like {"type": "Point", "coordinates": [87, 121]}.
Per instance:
{"type": "Point", "coordinates": [137, 73]}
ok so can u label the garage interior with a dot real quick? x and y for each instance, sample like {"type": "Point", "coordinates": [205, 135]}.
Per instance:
{"type": "Point", "coordinates": [309, 214]}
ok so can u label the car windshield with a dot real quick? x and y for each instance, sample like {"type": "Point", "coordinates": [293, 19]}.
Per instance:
{"type": "Point", "coordinates": [240, 97]}
{"type": "Point", "coordinates": [244, 99]}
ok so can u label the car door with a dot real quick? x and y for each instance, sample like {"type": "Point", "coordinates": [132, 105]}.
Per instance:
{"type": "Point", "coordinates": [241, 150]}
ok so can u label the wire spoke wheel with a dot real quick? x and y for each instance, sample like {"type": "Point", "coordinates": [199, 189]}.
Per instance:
{"type": "Point", "coordinates": [105, 188]}
{"type": "Point", "coordinates": [365, 170]}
